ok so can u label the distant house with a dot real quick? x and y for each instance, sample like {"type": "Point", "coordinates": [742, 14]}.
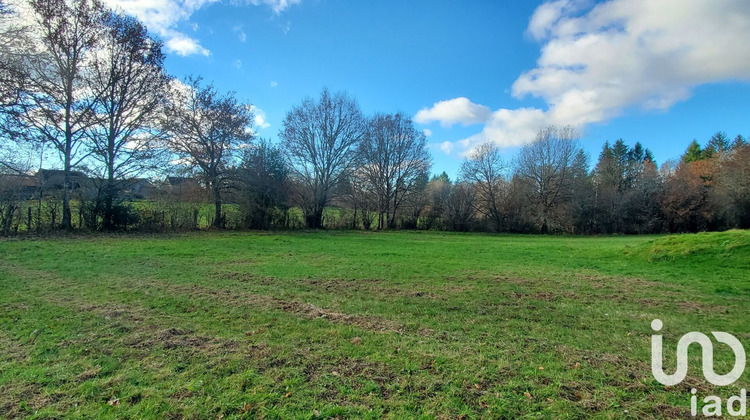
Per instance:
{"type": "Point", "coordinates": [23, 187]}
{"type": "Point", "coordinates": [54, 179]}
{"type": "Point", "coordinates": [139, 189]}
{"type": "Point", "coordinates": [188, 189]}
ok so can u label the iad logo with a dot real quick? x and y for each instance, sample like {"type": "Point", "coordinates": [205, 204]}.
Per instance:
{"type": "Point", "coordinates": [708, 357]}
{"type": "Point", "coordinates": [735, 405]}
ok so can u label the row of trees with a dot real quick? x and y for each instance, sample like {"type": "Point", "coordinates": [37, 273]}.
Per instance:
{"type": "Point", "coordinates": [550, 187]}
{"type": "Point", "coordinates": [90, 83]}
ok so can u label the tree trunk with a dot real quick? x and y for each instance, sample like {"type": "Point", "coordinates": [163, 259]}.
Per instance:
{"type": "Point", "coordinates": [9, 212]}
{"type": "Point", "coordinates": [67, 216]}
{"type": "Point", "coordinates": [217, 202]}
{"type": "Point", "coordinates": [109, 196]}
{"type": "Point", "coordinates": [314, 220]}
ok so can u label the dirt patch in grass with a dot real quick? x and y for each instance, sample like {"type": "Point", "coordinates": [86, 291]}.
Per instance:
{"type": "Point", "coordinates": [303, 309]}
{"type": "Point", "coordinates": [545, 296]}
{"type": "Point", "coordinates": [355, 373]}
{"type": "Point", "coordinates": [370, 323]}
{"type": "Point", "coordinates": [377, 288]}
{"type": "Point", "coordinates": [25, 399]}
{"type": "Point", "coordinates": [115, 311]}
{"type": "Point", "coordinates": [175, 338]}
{"type": "Point", "coordinates": [11, 350]}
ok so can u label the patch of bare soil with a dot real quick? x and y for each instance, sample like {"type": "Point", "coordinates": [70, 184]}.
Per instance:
{"type": "Point", "coordinates": [354, 372]}
{"type": "Point", "coordinates": [175, 338]}
{"type": "Point", "coordinates": [114, 311]}
{"type": "Point", "coordinates": [306, 310]}
{"type": "Point", "coordinates": [11, 350]}
{"type": "Point", "coordinates": [370, 323]}
{"type": "Point", "coordinates": [377, 288]}
{"type": "Point", "coordinates": [32, 396]}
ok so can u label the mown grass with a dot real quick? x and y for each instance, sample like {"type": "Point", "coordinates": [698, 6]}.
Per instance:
{"type": "Point", "coordinates": [346, 324]}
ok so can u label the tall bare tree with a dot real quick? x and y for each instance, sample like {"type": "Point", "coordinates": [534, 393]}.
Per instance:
{"type": "Point", "coordinates": [129, 73]}
{"type": "Point", "coordinates": [320, 138]}
{"type": "Point", "coordinates": [394, 156]}
{"type": "Point", "coordinates": [485, 168]}
{"type": "Point", "coordinates": [206, 130]}
{"type": "Point", "coordinates": [546, 165]}
{"type": "Point", "coordinates": [58, 103]}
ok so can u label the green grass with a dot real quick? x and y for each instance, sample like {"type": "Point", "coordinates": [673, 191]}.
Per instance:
{"type": "Point", "coordinates": [329, 324]}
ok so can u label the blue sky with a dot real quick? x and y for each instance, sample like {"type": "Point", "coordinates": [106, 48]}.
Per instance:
{"type": "Point", "coordinates": [661, 73]}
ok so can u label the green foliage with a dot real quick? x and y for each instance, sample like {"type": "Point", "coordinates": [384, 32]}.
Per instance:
{"type": "Point", "coordinates": [693, 153]}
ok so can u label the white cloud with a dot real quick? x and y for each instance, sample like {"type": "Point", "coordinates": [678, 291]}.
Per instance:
{"type": "Point", "coordinates": [599, 60]}
{"type": "Point", "coordinates": [286, 26]}
{"type": "Point", "coordinates": [446, 147]}
{"type": "Point", "coordinates": [274, 84]}
{"type": "Point", "coordinates": [427, 132]}
{"type": "Point", "coordinates": [241, 35]}
{"type": "Point", "coordinates": [277, 6]}
{"type": "Point", "coordinates": [238, 64]}
{"type": "Point", "coordinates": [259, 117]}
{"type": "Point", "coordinates": [163, 16]}
{"type": "Point", "coordinates": [453, 111]}
{"type": "Point", "coordinates": [548, 13]}
{"type": "Point", "coordinates": [183, 45]}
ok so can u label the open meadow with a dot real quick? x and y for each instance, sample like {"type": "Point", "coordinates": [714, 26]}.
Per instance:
{"type": "Point", "coordinates": [348, 324]}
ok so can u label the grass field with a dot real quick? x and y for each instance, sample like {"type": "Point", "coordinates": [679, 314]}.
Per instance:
{"type": "Point", "coordinates": [328, 324]}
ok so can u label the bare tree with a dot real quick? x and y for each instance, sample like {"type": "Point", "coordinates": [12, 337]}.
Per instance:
{"type": "Point", "coordinates": [361, 195]}
{"type": "Point", "coordinates": [733, 182]}
{"type": "Point", "coordinates": [16, 185]}
{"type": "Point", "coordinates": [546, 165]}
{"type": "Point", "coordinates": [484, 167]}
{"type": "Point", "coordinates": [57, 103]}
{"type": "Point", "coordinates": [206, 130]}
{"type": "Point", "coordinates": [13, 50]}
{"type": "Point", "coordinates": [319, 139]}
{"type": "Point", "coordinates": [394, 156]}
{"type": "Point", "coordinates": [263, 186]}
{"type": "Point", "coordinates": [460, 207]}
{"type": "Point", "coordinates": [129, 73]}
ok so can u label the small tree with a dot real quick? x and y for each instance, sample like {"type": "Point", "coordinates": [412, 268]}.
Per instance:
{"type": "Point", "coordinates": [484, 167]}
{"type": "Point", "coordinates": [546, 165]}
{"type": "Point", "coordinates": [263, 183]}
{"type": "Point", "coordinates": [319, 138]}
{"type": "Point", "coordinates": [205, 130]}
{"type": "Point", "coordinates": [394, 158]}
{"type": "Point", "coordinates": [460, 207]}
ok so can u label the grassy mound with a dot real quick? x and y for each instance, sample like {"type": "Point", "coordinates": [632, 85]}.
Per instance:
{"type": "Point", "coordinates": [732, 247]}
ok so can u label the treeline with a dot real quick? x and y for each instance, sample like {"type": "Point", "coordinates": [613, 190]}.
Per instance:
{"type": "Point", "coordinates": [89, 83]}
{"type": "Point", "coordinates": [551, 189]}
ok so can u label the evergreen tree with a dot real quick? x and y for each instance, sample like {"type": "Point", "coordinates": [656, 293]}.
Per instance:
{"type": "Point", "coordinates": [718, 144]}
{"type": "Point", "coordinates": [738, 142]}
{"type": "Point", "coordinates": [693, 153]}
